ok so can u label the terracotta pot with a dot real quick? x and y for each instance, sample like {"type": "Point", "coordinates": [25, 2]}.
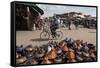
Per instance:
{"type": "Point", "coordinates": [58, 50]}
{"type": "Point", "coordinates": [46, 60]}
{"type": "Point", "coordinates": [79, 58]}
{"type": "Point", "coordinates": [28, 49]}
{"type": "Point", "coordinates": [58, 60]}
{"type": "Point", "coordinates": [85, 54]}
{"type": "Point", "coordinates": [39, 55]}
{"type": "Point", "coordinates": [64, 48]}
{"type": "Point", "coordinates": [17, 55]}
{"type": "Point", "coordinates": [71, 55]}
{"type": "Point", "coordinates": [93, 55]}
{"type": "Point", "coordinates": [21, 60]}
{"type": "Point", "coordinates": [52, 54]}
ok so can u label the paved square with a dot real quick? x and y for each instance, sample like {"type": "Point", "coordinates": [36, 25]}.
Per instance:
{"type": "Point", "coordinates": [33, 37]}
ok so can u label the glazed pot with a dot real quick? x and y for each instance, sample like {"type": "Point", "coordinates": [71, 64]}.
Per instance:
{"type": "Point", "coordinates": [58, 60]}
{"type": "Point", "coordinates": [58, 50]}
{"type": "Point", "coordinates": [21, 60]}
{"type": "Point", "coordinates": [52, 54]}
{"type": "Point", "coordinates": [39, 55]}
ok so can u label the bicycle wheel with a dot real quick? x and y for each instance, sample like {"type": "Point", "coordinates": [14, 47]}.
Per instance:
{"type": "Point", "coordinates": [59, 35]}
{"type": "Point", "coordinates": [44, 35]}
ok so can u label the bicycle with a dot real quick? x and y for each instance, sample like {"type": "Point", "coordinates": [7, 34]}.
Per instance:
{"type": "Point", "coordinates": [46, 34]}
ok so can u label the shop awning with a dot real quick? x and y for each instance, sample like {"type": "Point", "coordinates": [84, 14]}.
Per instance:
{"type": "Point", "coordinates": [34, 7]}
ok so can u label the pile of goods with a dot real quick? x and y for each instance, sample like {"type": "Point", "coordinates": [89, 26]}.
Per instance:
{"type": "Point", "coordinates": [65, 51]}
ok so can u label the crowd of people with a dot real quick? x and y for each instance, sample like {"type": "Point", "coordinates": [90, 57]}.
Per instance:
{"type": "Point", "coordinates": [65, 51]}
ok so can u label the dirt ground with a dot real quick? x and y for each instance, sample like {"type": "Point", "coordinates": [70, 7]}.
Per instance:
{"type": "Point", "coordinates": [33, 37]}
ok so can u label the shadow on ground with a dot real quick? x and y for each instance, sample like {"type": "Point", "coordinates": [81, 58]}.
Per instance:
{"type": "Point", "coordinates": [92, 32]}
{"type": "Point", "coordinates": [38, 39]}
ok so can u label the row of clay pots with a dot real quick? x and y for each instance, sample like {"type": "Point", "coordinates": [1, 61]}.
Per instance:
{"type": "Point", "coordinates": [66, 51]}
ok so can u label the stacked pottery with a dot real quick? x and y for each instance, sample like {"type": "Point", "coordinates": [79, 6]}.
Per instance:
{"type": "Point", "coordinates": [46, 60]}
{"type": "Point", "coordinates": [92, 55]}
{"type": "Point", "coordinates": [68, 50]}
{"type": "Point", "coordinates": [71, 55]}
{"type": "Point", "coordinates": [29, 51]}
{"type": "Point", "coordinates": [52, 54]}
{"type": "Point", "coordinates": [31, 61]}
{"type": "Point", "coordinates": [21, 60]}
{"type": "Point", "coordinates": [29, 48]}
{"type": "Point", "coordinates": [58, 50]}
{"type": "Point", "coordinates": [64, 47]}
{"type": "Point", "coordinates": [40, 53]}
{"type": "Point", "coordinates": [79, 58]}
{"type": "Point", "coordinates": [18, 55]}
{"type": "Point", "coordinates": [58, 59]}
{"type": "Point", "coordinates": [79, 44]}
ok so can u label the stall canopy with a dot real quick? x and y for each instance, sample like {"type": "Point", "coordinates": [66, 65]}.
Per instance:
{"type": "Point", "coordinates": [34, 7]}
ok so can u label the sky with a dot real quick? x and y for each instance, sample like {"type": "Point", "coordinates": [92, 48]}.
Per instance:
{"type": "Point", "coordinates": [49, 10]}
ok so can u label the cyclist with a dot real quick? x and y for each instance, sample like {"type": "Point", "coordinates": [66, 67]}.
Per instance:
{"type": "Point", "coordinates": [54, 26]}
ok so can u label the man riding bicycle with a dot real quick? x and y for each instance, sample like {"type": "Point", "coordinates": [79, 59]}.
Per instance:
{"type": "Point", "coordinates": [54, 26]}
